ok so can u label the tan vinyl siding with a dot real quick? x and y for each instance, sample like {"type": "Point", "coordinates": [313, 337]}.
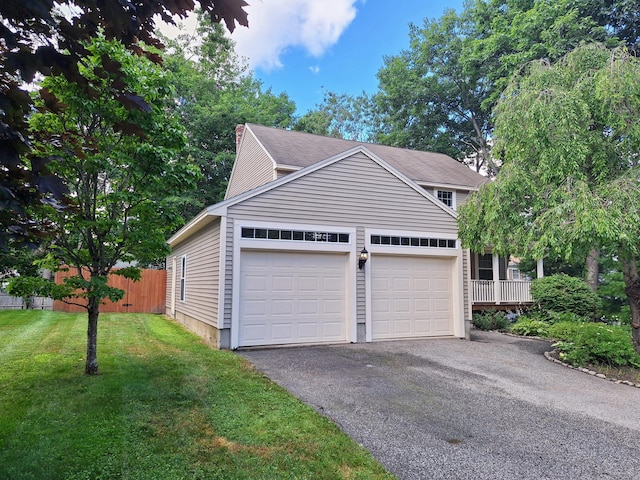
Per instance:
{"type": "Point", "coordinates": [253, 167]}
{"type": "Point", "coordinates": [202, 274]}
{"type": "Point", "coordinates": [353, 192]}
{"type": "Point", "coordinates": [461, 198]}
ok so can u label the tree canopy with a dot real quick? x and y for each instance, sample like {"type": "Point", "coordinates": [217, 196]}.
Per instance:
{"type": "Point", "coordinates": [214, 93]}
{"type": "Point", "coordinates": [439, 94]}
{"type": "Point", "coordinates": [47, 37]}
{"type": "Point", "coordinates": [570, 140]}
{"type": "Point", "coordinates": [341, 115]}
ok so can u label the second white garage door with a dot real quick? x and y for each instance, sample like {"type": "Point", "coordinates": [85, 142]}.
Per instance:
{"type": "Point", "coordinates": [411, 296]}
{"type": "Point", "coordinates": [292, 297]}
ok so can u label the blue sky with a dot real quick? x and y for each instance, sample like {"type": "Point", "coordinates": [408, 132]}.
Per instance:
{"type": "Point", "coordinates": [304, 46]}
{"type": "Point", "coordinates": [341, 55]}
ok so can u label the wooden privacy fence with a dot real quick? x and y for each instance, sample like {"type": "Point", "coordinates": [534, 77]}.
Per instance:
{"type": "Point", "coordinates": [144, 296]}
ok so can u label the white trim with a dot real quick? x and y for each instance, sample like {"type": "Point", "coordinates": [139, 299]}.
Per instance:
{"type": "Point", "coordinates": [174, 273]}
{"type": "Point", "coordinates": [454, 202]}
{"type": "Point", "coordinates": [446, 186]}
{"type": "Point", "coordinates": [240, 244]}
{"type": "Point", "coordinates": [222, 272]}
{"type": "Point", "coordinates": [468, 253]}
{"type": "Point", "coordinates": [183, 278]}
{"type": "Point", "coordinates": [288, 168]}
{"type": "Point", "coordinates": [457, 286]}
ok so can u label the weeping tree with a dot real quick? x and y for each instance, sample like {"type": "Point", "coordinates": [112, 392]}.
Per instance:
{"type": "Point", "coordinates": [118, 162]}
{"type": "Point", "coordinates": [570, 139]}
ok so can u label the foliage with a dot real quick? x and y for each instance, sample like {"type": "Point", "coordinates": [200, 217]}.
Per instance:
{"type": "Point", "coordinates": [490, 320]}
{"type": "Point", "coordinates": [17, 259]}
{"type": "Point", "coordinates": [168, 407]}
{"type": "Point", "coordinates": [341, 116]}
{"type": "Point", "coordinates": [569, 138]}
{"type": "Point", "coordinates": [563, 294]}
{"type": "Point", "coordinates": [599, 343]}
{"type": "Point", "coordinates": [530, 327]}
{"type": "Point", "coordinates": [440, 93]}
{"type": "Point", "coordinates": [46, 37]}
{"type": "Point", "coordinates": [614, 301]}
{"type": "Point", "coordinates": [214, 94]}
{"type": "Point", "coordinates": [567, 316]}
{"type": "Point", "coordinates": [431, 96]}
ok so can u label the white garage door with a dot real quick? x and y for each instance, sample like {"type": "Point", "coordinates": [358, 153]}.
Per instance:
{"type": "Point", "coordinates": [292, 297]}
{"type": "Point", "coordinates": [411, 297]}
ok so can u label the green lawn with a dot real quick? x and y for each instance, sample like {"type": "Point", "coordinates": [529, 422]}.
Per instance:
{"type": "Point", "coordinates": [165, 406]}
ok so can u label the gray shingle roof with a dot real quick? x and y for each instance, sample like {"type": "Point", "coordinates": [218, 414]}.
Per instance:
{"type": "Point", "coordinates": [298, 149]}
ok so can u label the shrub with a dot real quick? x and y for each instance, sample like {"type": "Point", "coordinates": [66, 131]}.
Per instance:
{"type": "Point", "coordinates": [490, 320]}
{"type": "Point", "coordinates": [582, 343]}
{"type": "Point", "coordinates": [562, 293]}
{"type": "Point", "coordinates": [558, 317]}
{"type": "Point", "coordinates": [530, 327]}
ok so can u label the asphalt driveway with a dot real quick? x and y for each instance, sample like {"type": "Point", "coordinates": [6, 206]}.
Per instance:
{"type": "Point", "coordinates": [492, 408]}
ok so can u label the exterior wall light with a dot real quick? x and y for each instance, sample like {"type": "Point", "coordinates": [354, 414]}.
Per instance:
{"type": "Point", "coordinates": [364, 256]}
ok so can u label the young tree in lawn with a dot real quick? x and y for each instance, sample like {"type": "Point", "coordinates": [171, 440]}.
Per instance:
{"type": "Point", "coordinates": [570, 139]}
{"type": "Point", "coordinates": [119, 165]}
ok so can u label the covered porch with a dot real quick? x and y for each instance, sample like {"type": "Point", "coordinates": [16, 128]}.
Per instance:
{"type": "Point", "coordinates": [496, 282]}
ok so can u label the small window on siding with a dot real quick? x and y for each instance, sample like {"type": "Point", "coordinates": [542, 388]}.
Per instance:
{"type": "Point", "coordinates": [183, 278]}
{"type": "Point", "coordinates": [446, 197]}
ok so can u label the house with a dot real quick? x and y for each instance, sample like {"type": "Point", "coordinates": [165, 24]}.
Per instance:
{"type": "Point", "coordinates": [324, 240]}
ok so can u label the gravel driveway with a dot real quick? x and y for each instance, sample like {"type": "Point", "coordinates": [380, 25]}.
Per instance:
{"type": "Point", "coordinates": [492, 408]}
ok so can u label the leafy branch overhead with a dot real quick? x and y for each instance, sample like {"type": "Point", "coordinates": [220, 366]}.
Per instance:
{"type": "Point", "coordinates": [42, 37]}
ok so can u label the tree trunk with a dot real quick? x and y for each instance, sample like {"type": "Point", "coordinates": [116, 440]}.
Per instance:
{"type": "Point", "coordinates": [93, 309]}
{"type": "Point", "coordinates": [632, 289]}
{"type": "Point", "coordinates": [633, 294]}
{"type": "Point", "coordinates": [592, 269]}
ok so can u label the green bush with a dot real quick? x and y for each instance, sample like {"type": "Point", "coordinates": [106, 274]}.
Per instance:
{"type": "Point", "coordinates": [562, 293]}
{"type": "Point", "coordinates": [490, 320]}
{"type": "Point", "coordinates": [558, 317]}
{"type": "Point", "coordinates": [583, 343]}
{"type": "Point", "coordinates": [530, 327]}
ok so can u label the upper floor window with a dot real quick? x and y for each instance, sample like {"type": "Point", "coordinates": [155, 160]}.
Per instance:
{"type": "Point", "coordinates": [446, 197]}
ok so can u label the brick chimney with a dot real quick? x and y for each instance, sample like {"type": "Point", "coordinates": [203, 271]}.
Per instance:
{"type": "Point", "coordinates": [239, 132]}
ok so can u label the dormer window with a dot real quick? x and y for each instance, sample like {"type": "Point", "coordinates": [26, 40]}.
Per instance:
{"type": "Point", "coordinates": [446, 197]}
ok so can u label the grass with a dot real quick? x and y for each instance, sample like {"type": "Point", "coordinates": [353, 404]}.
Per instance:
{"type": "Point", "coordinates": [165, 406]}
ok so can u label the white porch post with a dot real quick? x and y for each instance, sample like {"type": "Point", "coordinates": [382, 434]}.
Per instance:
{"type": "Point", "coordinates": [496, 278]}
{"type": "Point", "coordinates": [540, 269]}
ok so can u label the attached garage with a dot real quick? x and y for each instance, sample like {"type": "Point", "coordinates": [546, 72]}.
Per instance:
{"type": "Point", "coordinates": [411, 296]}
{"type": "Point", "coordinates": [292, 297]}
{"type": "Point", "coordinates": [283, 260]}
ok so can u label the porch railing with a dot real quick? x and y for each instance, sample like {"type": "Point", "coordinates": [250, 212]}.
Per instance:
{"type": "Point", "coordinates": [500, 291]}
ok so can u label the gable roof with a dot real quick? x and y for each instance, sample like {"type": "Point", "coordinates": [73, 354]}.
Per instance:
{"type": "Point", "coordinates": [292, 150]}
{"type": "Point", "coordinates": [207, 215]}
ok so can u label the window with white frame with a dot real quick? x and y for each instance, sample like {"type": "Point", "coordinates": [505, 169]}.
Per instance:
{"type": "Point", "coordinates": [183, 278]}
{"type": "Point", "coordinates": [446, 197]}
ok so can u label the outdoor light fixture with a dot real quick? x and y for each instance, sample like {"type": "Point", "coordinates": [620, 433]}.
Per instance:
{"type": "Point", "coordinates": [364, 256]}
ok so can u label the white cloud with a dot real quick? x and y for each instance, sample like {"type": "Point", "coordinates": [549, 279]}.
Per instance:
{"type": "Point", "coordinates": [276, 25]}
{"type": "Point", "coordinates": [315, 69]}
